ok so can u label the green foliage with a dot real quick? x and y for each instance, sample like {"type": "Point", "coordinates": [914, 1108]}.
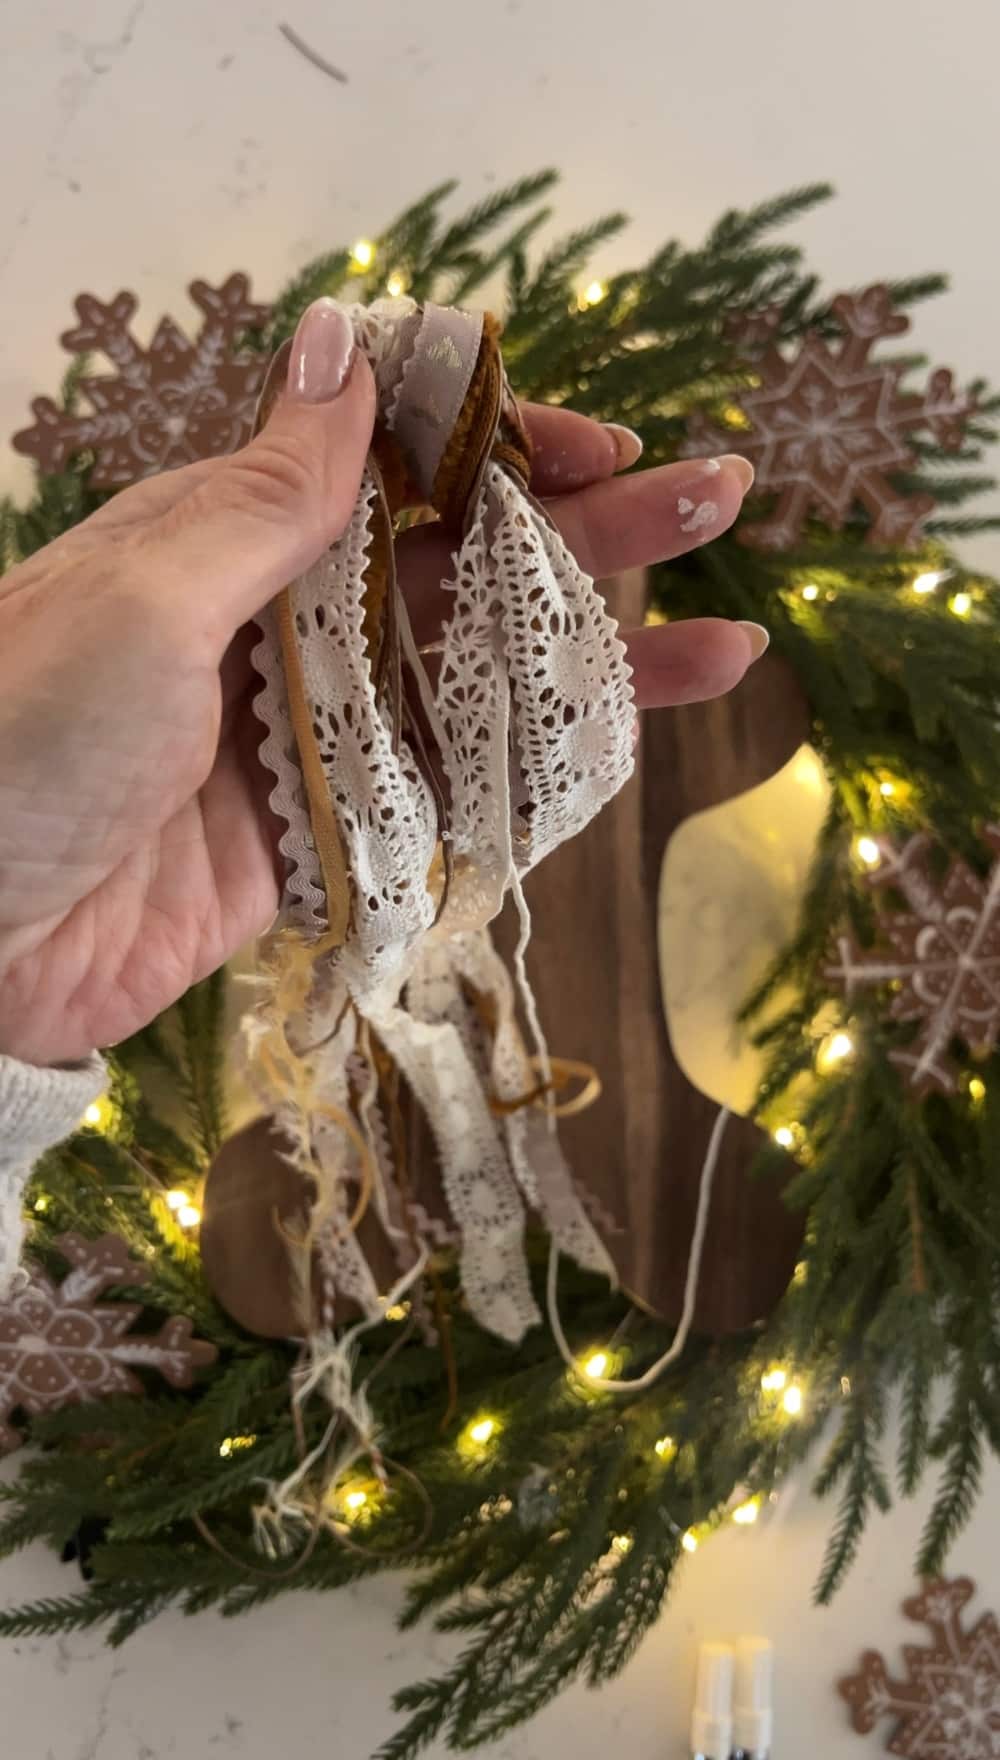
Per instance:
{"type": "Point", "coordinates": [899, 1279]}
{"type": "Point", "coordinates": [428, 255]}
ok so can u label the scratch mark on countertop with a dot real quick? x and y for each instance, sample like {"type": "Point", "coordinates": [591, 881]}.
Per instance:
{"type": "Point", "coordinates": [292, 36]}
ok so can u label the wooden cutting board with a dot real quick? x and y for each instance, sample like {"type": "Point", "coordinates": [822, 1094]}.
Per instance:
{"type": "Point", "coordinates": [595, 969]}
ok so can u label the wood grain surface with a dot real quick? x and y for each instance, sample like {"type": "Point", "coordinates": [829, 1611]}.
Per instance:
{"type": "Point", "coordinates": [594, 965]}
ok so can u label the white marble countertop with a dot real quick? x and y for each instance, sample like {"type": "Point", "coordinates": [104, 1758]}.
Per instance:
{"type": "Point", "coordinates": [314, 1673]}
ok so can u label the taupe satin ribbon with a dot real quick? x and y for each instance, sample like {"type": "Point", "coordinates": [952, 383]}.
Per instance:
{"type": "Point", "coordinates": [434, 388]}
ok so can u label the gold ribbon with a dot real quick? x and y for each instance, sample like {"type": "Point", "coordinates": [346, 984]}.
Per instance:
{"type": "Point", "coordinates": [563, 1071]}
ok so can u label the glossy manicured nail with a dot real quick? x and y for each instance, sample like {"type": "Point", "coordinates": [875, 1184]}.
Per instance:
{"type": "Point", "coordinates": [628, 445]}
{"type": "Point", "coordinates": [322, 353]}
{"type": "Point", "coordinates": [740, 467]}
{"type": "Point", "coordinates": [757, 636]}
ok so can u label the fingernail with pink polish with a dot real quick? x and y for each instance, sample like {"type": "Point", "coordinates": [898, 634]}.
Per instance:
{"type": "Point", "coordinates": [628, 445]}
{"type": "Point", "coordinates": [758, 638]}
{"type": "Point", "coordinates": [740, 467]}
{"type": "Point", "coordinates": [322, 353]}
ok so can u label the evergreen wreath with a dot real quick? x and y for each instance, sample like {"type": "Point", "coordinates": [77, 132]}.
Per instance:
{"type": "Point", "coordinates": [547, 1522]}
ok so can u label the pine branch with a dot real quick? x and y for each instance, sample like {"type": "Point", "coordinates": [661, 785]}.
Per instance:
{"type": "Point", "coordinates": [961, 1435]}
{"type": "Point", "coordinates": [738, 231]}
{"type": "Point", "coordinates": [201, 1014]}
{"type": "Point", "coordinates": [222, 1410]}
{"type": "Point", "coordinates": [324, 276]}
{"type": "Point", "coordinates": [482, 268]}
{"type": "Point", "coordinates": [10, 547]}
{"type": "Point", "coordinates": [69, 1613]}
{"type": "Point", "coordinates": [485, 216]}
{"type": "Point", "coordinates": [76, 372]}
{"type": "Point", "coordinates": [910, 289]}
{"type": "Point", "coordinates": [152, 1509]}
{"type": "Point", "coordinates": [915, 1415]}
{"type": "Point", "coordinates": [864, 1487]}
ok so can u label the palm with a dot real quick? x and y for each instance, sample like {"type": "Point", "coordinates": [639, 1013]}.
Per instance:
{"type": "Point", "coordinates": [194, 894]}
{"type": "Point", "coordinates": [183, 895]}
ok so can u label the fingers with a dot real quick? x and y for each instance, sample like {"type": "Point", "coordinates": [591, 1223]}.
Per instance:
{"type": "Point", "coordinates": [683, 662]}
{"type": "Point", "coordinates": [628, 522]}
{"type": "Point", "coordinates": [569, 450]}
{"type": "Point", "coordinates": [691, 661]}
{"type": "Point", "coordinates": [268, 512]}
{"type": "Point", "coordinates": [635, 521]}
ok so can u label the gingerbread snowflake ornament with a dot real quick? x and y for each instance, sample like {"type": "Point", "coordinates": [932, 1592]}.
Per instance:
{"type": "Point", "coordinates": [175, 402]}
{"type": "Point", "coordinates": [942, 958]}
{"type": "Point", "coordinates": [60, 1347]}
{"type": "Point", "coordinates": [829, 426]}
{"type": "Point", "coordinates": [947, 1706]}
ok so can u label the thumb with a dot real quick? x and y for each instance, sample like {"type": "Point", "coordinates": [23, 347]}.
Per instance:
{"type": "Point", "coordinates": [272, 509]}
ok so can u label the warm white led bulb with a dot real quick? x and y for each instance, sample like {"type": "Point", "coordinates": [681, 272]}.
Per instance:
{"type": "Point", "coordinates": [745, 1514]}
{"type": "Point", "coordinates": [834, 1050]}
{"type": "Point", "coordinates": [593, 295]}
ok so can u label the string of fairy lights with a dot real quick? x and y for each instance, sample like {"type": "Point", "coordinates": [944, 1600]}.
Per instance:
{"type": "Point", "coordinates": [356, 1503]}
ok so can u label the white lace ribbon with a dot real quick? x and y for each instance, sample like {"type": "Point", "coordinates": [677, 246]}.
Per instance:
{"type": "Point", "coordinates": [533, 715]}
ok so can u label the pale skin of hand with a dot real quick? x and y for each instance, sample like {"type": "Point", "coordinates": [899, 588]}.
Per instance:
{"type": "Point", "coordinates": [137, 851]}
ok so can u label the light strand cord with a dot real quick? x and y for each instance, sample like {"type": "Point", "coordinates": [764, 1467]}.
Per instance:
{"type": "Point", "coordinates": [651, 1375]}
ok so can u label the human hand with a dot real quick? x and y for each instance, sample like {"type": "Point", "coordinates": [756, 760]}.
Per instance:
{"type": "Point", "coordinates": [137, 852]}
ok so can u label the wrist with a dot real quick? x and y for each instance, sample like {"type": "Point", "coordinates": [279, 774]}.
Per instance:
{"type": "Point", "coordinates": [33, 1036]}
{"type": "Point", "coordinates": [38, 1023]}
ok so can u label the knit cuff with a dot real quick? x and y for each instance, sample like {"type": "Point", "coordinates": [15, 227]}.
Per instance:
{"type": "Point", "coordinates": [38, 1107]}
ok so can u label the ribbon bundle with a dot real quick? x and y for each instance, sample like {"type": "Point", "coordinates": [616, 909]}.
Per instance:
{"type": "Point", "coordinates": [414, 804]}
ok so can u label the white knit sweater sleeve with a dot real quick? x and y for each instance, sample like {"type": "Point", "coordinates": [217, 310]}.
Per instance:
{"type": "Point", "coordinates": [38, 1107]}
